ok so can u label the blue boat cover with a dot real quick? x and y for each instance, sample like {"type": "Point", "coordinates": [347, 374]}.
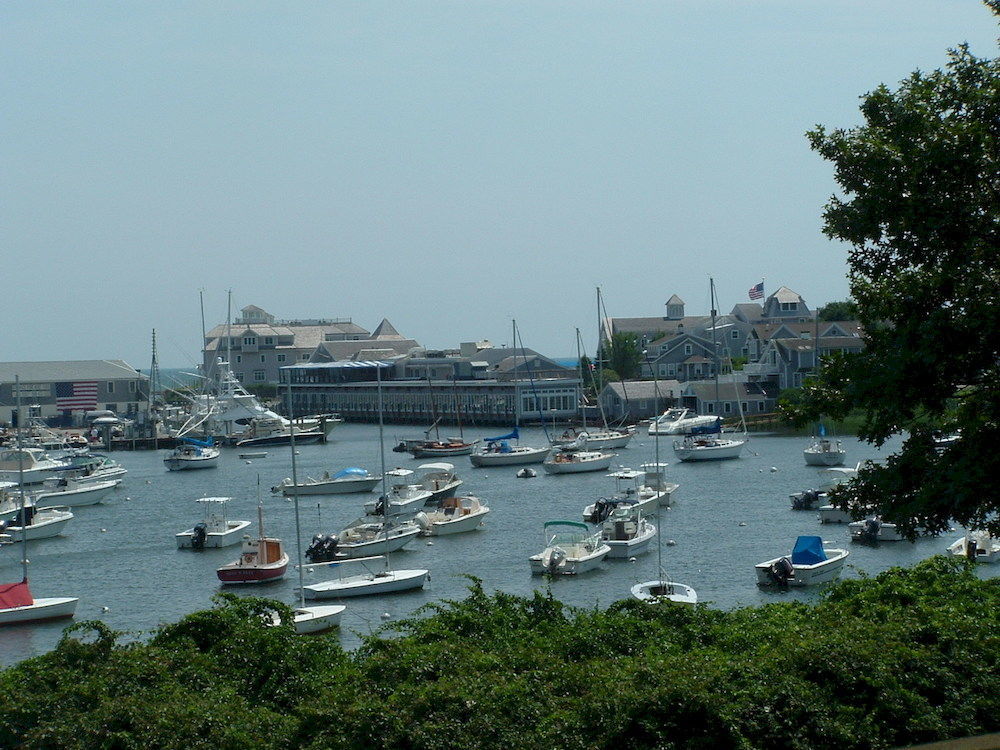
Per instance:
{"type": "Point", "coordinates": [513, 435]}
{"type": "Point", "coordinates": [707, 429]}
{"type": "Point", "coordinates": [203, 443]}
{"type": "Point", "coordinates": [822, 430]}
{"type": "Point", "coordinates": [808, 551]}
{"type": "Point", "coordinates": [350, 471]}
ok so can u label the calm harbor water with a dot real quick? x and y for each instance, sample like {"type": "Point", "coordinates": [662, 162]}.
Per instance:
{"type": "Point", "coordinates": [121, 555]}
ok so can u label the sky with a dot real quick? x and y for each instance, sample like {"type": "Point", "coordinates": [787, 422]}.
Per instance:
{"type": "Point", "coordinates": [447, 165]}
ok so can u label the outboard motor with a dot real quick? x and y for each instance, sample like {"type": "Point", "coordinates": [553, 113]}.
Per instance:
{"type": "Point", "coordinates": [869, 532]}
{"type": "Point", "coordinates": [556, 559]}
{"type": "Point", "coordinates": [422, 521]}
{"type": "Point", "coordinates": [400, 447]}
{"type": "Point", "coordinates": [971, 548]}
{"type": "Point", "coordinates": [781, 571]}
{"type": "Point", "coordinates": [314, 548]}
{"type": "Point", "coordinates": [527, 473]}
{"type": "Point", "coordinates": [199, 535]}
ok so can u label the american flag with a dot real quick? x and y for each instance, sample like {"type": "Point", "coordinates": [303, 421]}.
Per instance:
{"type": "Point", "coordinates": [76, 396]}
{"type": "Point", "coordinates": [757, 291]}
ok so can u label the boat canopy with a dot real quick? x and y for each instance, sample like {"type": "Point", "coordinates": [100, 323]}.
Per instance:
{"type": "Point", "coordinates": [351, 471]}
{"type": "Point", "coordinates": [213, 499]}
{"type": "Point", "coordinates": [626, 474]}
{"type": "Point", "coordinates": [15, 595]}
{"type": "Point", "coordinates": [512, 435]}
{"type": "Point", "coordinates": [442, 466]}
{"type": "Point", "coordinates": [398, 472]}
{"type": "Point", "coordinates": [706, 429]}
{"type": "Point", "coordinates": [577, 524]}
{"type": "Point", "coordinates": [808, 551]}
{"type": "Point", "coordinates": [203, 443]}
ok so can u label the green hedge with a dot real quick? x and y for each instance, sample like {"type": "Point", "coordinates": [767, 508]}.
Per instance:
{"type": "Point", "coordinates": [910, 656]}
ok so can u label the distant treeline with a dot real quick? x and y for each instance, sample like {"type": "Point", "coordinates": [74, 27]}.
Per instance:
{"type": "Point", "coordinates": [910, 656]}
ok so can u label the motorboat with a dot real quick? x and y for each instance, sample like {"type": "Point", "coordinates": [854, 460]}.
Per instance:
{"type": "Point", "coordinates": [262, 559]}
{"type": "Point", "coordinates": [874, 529]}
{"type": "Point", "coordinates": [498, 451]}
{"type": "Point", "coordinates": [33, 523]}
{"type": "Point", "coordinates": [977, 546]}
{"type": "Point", "coordinates": [825, 452]}
{"type": "Point", "coordinates": [664, 591]}
{"type": "Point", "coordinates": [828, 512]}
{"type": "Point", "coordinates": [572, 462]}
{"type": "Point", "coordinates": [10, 503]}
{"type": "Point", "coordinates": [453, 516]}
{"type": "Point", "coordinates": [215, 530]}
{"type": "Point", "coordinates": [32, 465]}
{"type": "Point", "coordinates": [93, 467]}
{"type": "Point", "coordinates": [656, 481]}
{"type": "Point", "coordinates": [362, 538]}
{"type": "Point", "coordinates": [68, 491]}
{"type": "Point", "coordinates": [351, 479]}
{"type": "Point", "coordinates": [192, 454]}
{"type": "Point", "coordinates": [403, 498]}
{"type": "Point", "coordinates": [372, 581]}
{"type": "Point", "coordinates": [439, 479]}
{"type": "Point", "coordinates": [629, 494]}
{"type": "Point", "coordinates": [253, 454]}
{"type": "Point", "coordinates": [278, 431]}
{"type": "Point", "coordinates": [570, 548]}
{"type": "Point", "coordinates": [679, 421]}
{"type": "Point", "coordinates": [808, 499]}
{"type": "Point", "coordinates": [627, 533]}
{"type": "Point", "coordinates": [451, 446]}
{"type": "Point", "coordinates": [708, 447]}
{"type": "Point", "coordinates": [810, 563]}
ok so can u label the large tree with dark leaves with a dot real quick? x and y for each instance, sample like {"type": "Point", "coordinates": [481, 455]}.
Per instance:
{"type": "Point", "coordinates": [920, 205]}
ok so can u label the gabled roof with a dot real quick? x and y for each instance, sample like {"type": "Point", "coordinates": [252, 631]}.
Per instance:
{"type": "Point", "coordinates": [254, 308]}
{"type": "Point", "coordinates": [784, 294]}
{"type": "Point", "coordinates": [644, 389]}
{"type": "Point", "coordinates": [78, 369]}
{"type": "Point", "coordinates": [385, 330]}
{"type": "Point", "coordinates": [751, 312]}
{"type": "Point", "coordinates": [728, 390]}
{"type": "Point", "coordinates": [675, 300]}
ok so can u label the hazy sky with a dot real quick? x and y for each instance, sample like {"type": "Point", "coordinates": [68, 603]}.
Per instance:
{"type": "Point", "coordinates": [448, 165]}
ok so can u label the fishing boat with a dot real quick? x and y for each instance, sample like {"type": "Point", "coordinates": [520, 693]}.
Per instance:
{"type": "Point", "coordinates": [655, 481]}
{"type": "Point", "coordinates": [874, 529]}
{"type": "Point", "coordinates": [71, 492]}
{"type": "Point", "coordinates": [345, 481]}
{"type": "Point", "coordinates": [215, 530]}
{"type": "Point", "coordinates": [11, 501]}
{"type": "Point", "coordinates": [570, 548]}
{"type": "Point", "coordinates": [262, 558]}
{"type": "Point", "coordinates": [627, 533]}
{"type": "Point", "coordinates": [36, 465]}
{"type": "Point", "coordinates": [93, 467]}
{"type": "Point", "coordinates": [454, 516]}
{"type": "Point", "coordinates": [629, 494]}
{"type": "Point", "coordinates": [810, 563]}
{"type": "Point", "coordinates": [573, 462]}
{"type": "Point", "coordinates": [373, 580]}
{"type": "Point", "coordinates": [17, 604]}
{"type": "Point", "coordinates": [362, 538]}
{"type": "Point", "coordinates": [33, 523]}
{"type": "Point", "coordinates": [403, 498]}
{"type": "Point", "coordinates": [678, 421]}
{"type": "Point", "coordinates": [191, 453]}
{"type": "Point", "coordinates": [439, 479]}
{"type": "Point", "coordinates": [278, 431]}
{"type": "Point", "coordinates": [977, 546]}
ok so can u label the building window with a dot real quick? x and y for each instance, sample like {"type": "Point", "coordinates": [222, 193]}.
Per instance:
{"type": "Point", "coordinates": [789, 306]}
{"type": "Point", "coordinates": [281, 357]}
{"type": "Point", "coordinates": [709, 408]}
{"type": "Point", "coordinates": [131, 386]}
{"type": "Point", "coordinates": [111, 386]}
{"type": "Point", "coordinates": [736, 334]}
{"type": "Point", "coordinates": [249, 341]}
{"type": "Point", "coordinates": [671, 370]}
{"type": "Point", "coordinates": [263, 358]}
{"type": "Point", "coordinates": [727, 407]}
{"type": "Point", "coordinates": [258, 376]}
{"type": "Point", "coordinates": [305, 357]}
{"type": "Point", "coordinates": [111, 407]}
{"type": "Point", "coordinates": [268, 340]}
{"type": "Point", "coordinates": [687, 348]}
{"type": "Point", "coordinates": [239, 359]}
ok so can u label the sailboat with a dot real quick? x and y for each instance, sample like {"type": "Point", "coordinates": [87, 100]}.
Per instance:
{"type": "Point", "coordinates": [823, 451]}
{"type": "Point", "coordinates": [450, 446]}
{"type": "Point", "coordinates": [17, 604]}
{"type": "Point", "coordinates": [498, 451]}
{"type": "Point", "coordinates": [707, 442]}
{"type": "Point", "coordinates": [382, 580]}
{"type": "Point", "coordinates": [262, 559]}
{"type": "Point", "coordinates": [307, 619]}
{"type": "Point", "coordinates": [661, 589]}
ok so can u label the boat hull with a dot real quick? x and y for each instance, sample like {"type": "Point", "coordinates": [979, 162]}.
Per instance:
{"type": "Point", "coordinates": [301, 438]}
{"type": "Point", "coordinates": [367, 585]}
{"type": "Point", "coordinates": [824, 458]}
{"type": "Point", "coordinates": [215, 539]}
{"type": "Point", "coordinates": [624, 549]}
{"type": "Point", "coordinates": [332, 487]}
{"type": "Point", "coordinates": [40, 529]}
{"type": "Point", "coordinates": [577, 467]}
{"type": "Point", "coordinates": [187, 464]}
{"type": "Point", "coordinates": [317, 619]}
{"type": "Point", "coordinates": [88, 495]}
{"type": "Point", "coordinates": [728, 449]}
{"type": "Point", "coordinates": [235, 573]}
{"type": "Point", "coordinates": [458, 525]}
{"type": "Point", "coordinates": [464, 450]}
{"type": "Point", "coordinates": [516, 457]}
{"type": "Point", "coordinates": [987, 549]}
{"type": "Point", "coordinates": [806, 575]}
{"type": "Point", "coordinates": [833, 514]}
{"type": "Point", "coordinates": [53, 608]}
{"type": "Point", "coordinates": [571, 565]}
{"type": "Point", "coordinates": [377, 546]}
{"type": "Point", "coordinates": [663, 591]}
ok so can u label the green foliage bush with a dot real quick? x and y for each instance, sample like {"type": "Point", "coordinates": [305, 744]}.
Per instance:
{"type": "Point", "coordinates": [910, 656]}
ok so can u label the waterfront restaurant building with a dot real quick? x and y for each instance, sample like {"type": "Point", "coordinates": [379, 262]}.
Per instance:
{"type": "Point", "coordinates": [350, 388]}
{"type": "Point", "coordinates": [62, 393]}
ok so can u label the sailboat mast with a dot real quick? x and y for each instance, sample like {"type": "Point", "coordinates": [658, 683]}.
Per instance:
{"type": "Point", "coordinates": [513, 344]}
{"type": "Point", "coordinates": [583, 381]}
{"type": "Point", "coordinates": [20, 481]}
{"type": "Point", "coordinates": [715, 346]}
{"type": "Point", "coordinates": [295, 497]}
{"type": "Point", "coordinates": [381, 458]}
{"type": "Point", "coordinates": [597, 353]}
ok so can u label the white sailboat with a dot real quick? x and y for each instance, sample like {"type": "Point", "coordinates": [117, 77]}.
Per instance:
{"type": "Point", "coordinates": [384, 580]}
{"type": "Point", "coordinates": [17, 603]}
{"type": "Point", "coordinates": [822, 451]}
{"type": "Point", "coordinates": [191, 453]}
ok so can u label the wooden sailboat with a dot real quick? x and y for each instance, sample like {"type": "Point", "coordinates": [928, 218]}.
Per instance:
{"type": "Point", "coordinates": [17, 603]}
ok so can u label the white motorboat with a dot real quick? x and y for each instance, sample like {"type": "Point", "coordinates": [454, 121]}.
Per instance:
{"type": "Point", "coordinates": [192, 454]}
{"type": "Point", "coordinates": [630, 493]}
{"type": "Point", "coordinates": [825, 452]}
{"type": "Point", "coordinates": [572, 462]}
{"type": "Point", "coordinates": [278, 431]}
{"type": "Point", "coordinates": [874, 529]}
{"type": "Point", "coordinates": [362, 538]}
{"type": "Point", "coordinates": [708, 448]}
{"type": "Point", "coordinates": [42, 523]}
{"type": "Point", "coordinates": [828, 512]}
{"type": "Point", "coordinates": [977, 546]}
{"type": "Point", "coordinates": [656, 481]}
{"type": "Point", "coordinates": [403, 498]}
{"type": "Point", "coordinates": [808, 499]}
{"type": "Point", "coordinates": [32, 464]}
{"type": "Point", "coordinates": [810, 563]}
{"type": "Point", "coordinates": [454, 516]}
{"type": "Point", "coordinates": [678, 421]}
{"type": "Point", "coordinates": [664, 591]}
{"type": "Point", "coordinates": [372, 581]}
{"type": "Point", "coordinates": [215, 530]}
{"type": "Point", "coordinates": [73, 492]}
{"type": "Point", "coordinates": [345, 481]}
{"type": "Point", "coordinates": [439, 479]}
{"type": "Point", "coordinates": [498, 451]}
{"type": "Point", "coordinates": [627, 533]}
{"type": "Point", "coordinates": [832, 514]}
{"type": "Point", "coordinates": [10, 503]}
{"type": "Point", "coordinates": [95, 467]}
{"type": "Point", "coordinates": [570, 548]}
